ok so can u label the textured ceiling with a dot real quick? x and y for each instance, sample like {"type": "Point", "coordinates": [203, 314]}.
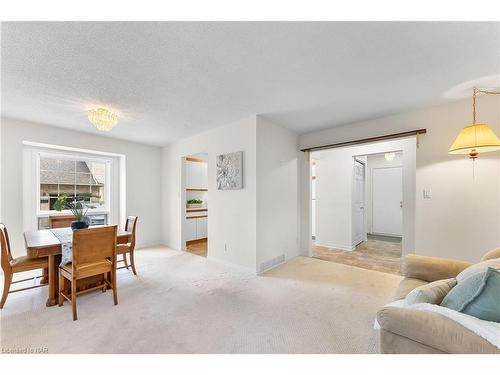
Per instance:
{"type": "Point", "coordinates": [169, 80]}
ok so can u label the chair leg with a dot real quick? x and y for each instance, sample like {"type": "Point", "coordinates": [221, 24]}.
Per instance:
{"type": "Point", "coordinates": [7, 280]}
{"type": "Point", "coordinates": [132, 262]}
{"type": "Point", "coordinates": [73, 298]}
{"type": "Point", "coordinates": [61, 289]}
{"type": "Point", "coordinates": [113, 282]}
{"type": "Point", "coordinates": [124, 255]}
{"type": "Point", "coordinates": [106, 281]}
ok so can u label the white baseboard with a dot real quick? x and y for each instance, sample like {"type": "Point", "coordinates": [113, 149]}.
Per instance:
{"type": "Point", "coordinates": [144, 244]}
{"type": "Point", "coordinates": [335, 246]}
{"type": "Point", "coordinates": [386, 235]}
{"type": "Point", "coordinates": [234, 265]}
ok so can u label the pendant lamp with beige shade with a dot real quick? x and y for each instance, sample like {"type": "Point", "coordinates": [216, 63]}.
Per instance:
{"type": "Point", "coordinates": [476, 138]}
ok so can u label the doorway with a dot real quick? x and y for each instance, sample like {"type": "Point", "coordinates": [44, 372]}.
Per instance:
{"type": "Point", "coordinates": [195, 204]}
{"type": "Point", "coordinates": [357, 206]}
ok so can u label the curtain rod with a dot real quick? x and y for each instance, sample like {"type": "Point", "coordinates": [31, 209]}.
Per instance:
{"type": "Point", "coordinates": [366, 140]}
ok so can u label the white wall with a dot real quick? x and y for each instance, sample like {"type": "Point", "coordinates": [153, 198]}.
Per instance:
{"type": "Point", "coordinates": [376, 161]}
{"type": "Point", "coordinates": [277, 192]}
{"type": "Point", "coordinates": [334, 198]}
{"type": "Point", "coordinates": [334, 189]}
{"type": "Point", "coordinates": [143, 168]}
{"type": "Point", "coordinates": [249, 226]}
{"type": "Point", "coordinates": [462, 218]}
{"type": "Point", "coordinates": [232, 215]}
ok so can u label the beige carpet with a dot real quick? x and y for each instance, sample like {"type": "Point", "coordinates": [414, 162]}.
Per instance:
{"type": "Point", "coordinates": [183, 303]}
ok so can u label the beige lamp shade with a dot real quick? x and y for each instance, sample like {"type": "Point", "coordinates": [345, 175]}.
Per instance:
{"type": "Point", "coordinates": [474, 139]}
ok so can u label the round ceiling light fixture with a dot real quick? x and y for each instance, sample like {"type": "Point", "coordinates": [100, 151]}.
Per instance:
{"type": "Point", "coordinates": [102, 118]}
{"type": "Point", "coordinates": [389, 156]}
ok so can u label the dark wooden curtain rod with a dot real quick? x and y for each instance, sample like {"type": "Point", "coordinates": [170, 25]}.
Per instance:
{"type": "Point", "coordinates": [367, 140]}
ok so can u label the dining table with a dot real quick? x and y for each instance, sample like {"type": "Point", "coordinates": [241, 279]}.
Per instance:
{"type": "Point", "coordinates": [44, 243]}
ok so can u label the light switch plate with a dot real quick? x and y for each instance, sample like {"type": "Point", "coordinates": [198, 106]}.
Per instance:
{"type": "Point", "coordinates": [427, 194]}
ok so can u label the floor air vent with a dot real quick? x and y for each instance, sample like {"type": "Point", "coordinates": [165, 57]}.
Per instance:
{"type": "Point", "coordinates": [264, 266]}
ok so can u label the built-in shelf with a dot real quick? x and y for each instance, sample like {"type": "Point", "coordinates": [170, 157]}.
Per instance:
{"type": "Point", "coordinates": [195, 217]}
{"type": "Point", "coordinates": [196, 209]}
{"type": "Point", "coordinates": [196, 160]}
{"type": "Point", "coordinates": [192, 189]}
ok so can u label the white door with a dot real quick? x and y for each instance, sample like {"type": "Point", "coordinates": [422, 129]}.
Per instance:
{"type": "Point", "coordinates": [358, 233]}
{"type": "Point", "coordinates": [387, 201]}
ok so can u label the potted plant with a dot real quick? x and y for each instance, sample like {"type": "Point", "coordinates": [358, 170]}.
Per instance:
{"type": "Point", "coordinates": [194, 203]}
{"type": "Point", "coordinates": [78, 207]}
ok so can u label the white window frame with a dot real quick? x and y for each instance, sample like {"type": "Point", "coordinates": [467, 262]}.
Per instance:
{"type": "Point", "coordinates": [37, 154]}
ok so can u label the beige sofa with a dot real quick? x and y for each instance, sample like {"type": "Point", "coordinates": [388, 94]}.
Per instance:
{"type": "Point", "coordinates": [409, 331]}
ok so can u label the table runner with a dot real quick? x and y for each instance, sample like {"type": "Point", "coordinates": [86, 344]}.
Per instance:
{"type": "Point", "coordinates": [65, 237]}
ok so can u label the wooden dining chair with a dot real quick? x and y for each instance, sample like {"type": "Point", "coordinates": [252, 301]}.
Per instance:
{"type": "Point", "coordinates": [61, 221]}
{"type": "Point", "coordinates": [11, 265]}
{"type": "Point", "coordinates": [94, 253]}
{"type": "Point", "coordinates": [128, 248]}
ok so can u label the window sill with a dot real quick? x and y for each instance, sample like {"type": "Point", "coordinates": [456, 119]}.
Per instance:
{"type": "Point", "coordinates": [68, 213]}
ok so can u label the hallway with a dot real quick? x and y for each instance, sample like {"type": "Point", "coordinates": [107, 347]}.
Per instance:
{"type": "Point", "coordinates": [379, 253]}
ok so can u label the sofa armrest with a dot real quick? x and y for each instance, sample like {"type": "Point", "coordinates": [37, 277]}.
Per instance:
{"type": "Point", "coordinates": [433, 330]}
{"type": "Point", "coordinates": [431, 268]}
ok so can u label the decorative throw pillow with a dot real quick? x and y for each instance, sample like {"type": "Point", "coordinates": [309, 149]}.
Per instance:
{"type": "Point", "coordinates": [431, 293]}
{"type": "Point", "coordinates": [485, 304]}
{"type": "Point", "coordinates": [463, 292]}
{"type": "Point", "coordinates": [478, 268]}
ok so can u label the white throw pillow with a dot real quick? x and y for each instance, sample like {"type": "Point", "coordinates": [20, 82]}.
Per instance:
{"type": "Point", "coordinates": [478, 268]}
{"type": "Point", "coordinates": [431, 293]}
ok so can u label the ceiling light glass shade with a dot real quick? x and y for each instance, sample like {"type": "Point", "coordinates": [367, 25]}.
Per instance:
{"type": "Point", "coordinates": [390, 156]}
{"type": "Point", "coordinates": [102, 118]}
{"type": "Point", "coordinates": [474, 139]}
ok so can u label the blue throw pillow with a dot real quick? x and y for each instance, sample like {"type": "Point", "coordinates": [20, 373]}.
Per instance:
{"type": "Point", "coordinates": [477, 295]}
{"type": "Point", "coordinates": [460, 295]}
{"type": "Point", "coordinates": [486, 303]}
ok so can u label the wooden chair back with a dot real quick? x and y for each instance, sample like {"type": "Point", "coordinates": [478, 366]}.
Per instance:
{"type": "Point", "coordinates": [94, 245]}
{"type": "Point", "coordinates": [130, 226]}
{"type": "Point", "coordinates": [61, 221]}
{"type": "Point", "coordinates": [6, 255]}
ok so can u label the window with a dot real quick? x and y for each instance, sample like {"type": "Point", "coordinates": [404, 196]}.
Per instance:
{"type": "Point", "coordinates": [76, 178]}
{"type": "Point", "coordinates": [80, 178]}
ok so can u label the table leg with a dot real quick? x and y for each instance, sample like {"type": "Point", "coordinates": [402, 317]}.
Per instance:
{"type": "Point", "coordinates": [53, 280]}
{"type": "Point", "coordinates": [45, 276]}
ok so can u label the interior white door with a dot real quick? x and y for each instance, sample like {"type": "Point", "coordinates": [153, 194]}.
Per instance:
{"type": "Point", "coordinates": [358, 233]}
{"type": "Point", "coordinates": [387, 201]}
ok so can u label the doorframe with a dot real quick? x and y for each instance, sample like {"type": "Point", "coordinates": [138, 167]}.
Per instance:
{"type": "Point", "coordinates": [355, 159]}
{"type": "Point", "coordinates": [408, 145]}
{"type": "Point", "coordinates": [183, 198]}
{"type": "Point", "coordinates": [183, 210]}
